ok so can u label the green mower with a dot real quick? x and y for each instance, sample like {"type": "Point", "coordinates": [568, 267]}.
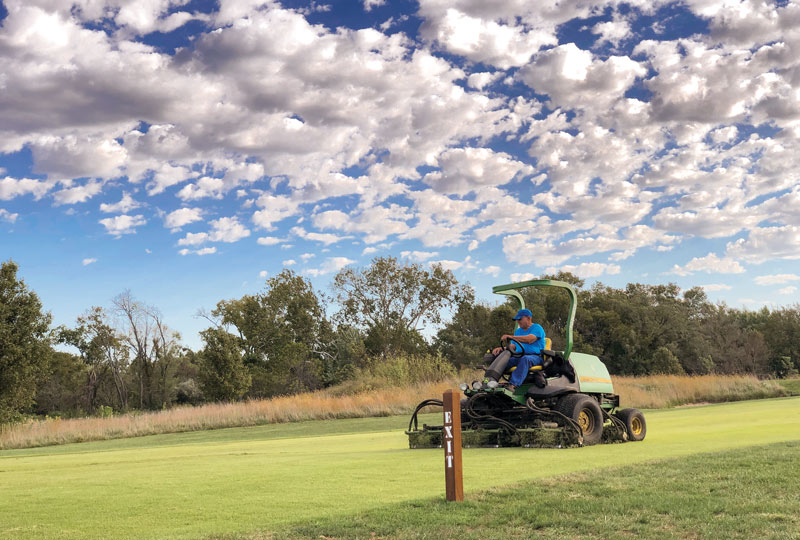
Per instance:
{"type": "Point", "coordinates": [569, 402]}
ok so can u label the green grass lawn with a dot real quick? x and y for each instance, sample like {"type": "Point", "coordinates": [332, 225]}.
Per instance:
{"type": "Point", "coordinates": [737, 494]}
{"type": "Point", "coordinates": [285, 477]}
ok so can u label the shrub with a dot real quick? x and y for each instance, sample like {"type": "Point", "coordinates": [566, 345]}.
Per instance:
{"type": "Point", "coordinates": [401, 369]}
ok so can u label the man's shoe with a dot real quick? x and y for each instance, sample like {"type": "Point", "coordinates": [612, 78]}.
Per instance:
{"type": "Point", "coordinates": [511, 388]}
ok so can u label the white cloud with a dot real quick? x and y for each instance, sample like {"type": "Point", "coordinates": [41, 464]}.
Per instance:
{"type": "Point", "coordinates": [193, 239]}
{"type": "Point", "coordinates": [375, 223]}
{"type": "Point", "coordinates": [788, 290]}
{"type": "Point", "coordinates": [289, 262]}
{"type": "Point", "coordinates": [5, 215]}
{"type": "Point", "coordinates": [767, 243]}
{"type": "Point", "coordinates": [332, 264]}
{"type": "Point", "coordinates": [776, 279]}
{"type": "Point", "coordinates": [447, 264]}
{"type": "Point", "coordinates": [123, 224]}
{"type": "Point", "coordinates": [227, 229]}
{"type": "Point", "coordinates": [716, 287]}
{"type": "Point", "coordinates": [262, 274]}
{"type": "Point", "coordinates": [203, 188]}
{"type": "Point", "coordinates": [78, 194]}
{"type": "Point", "coordinates": [324, 238]}
{"type": "Point", "coordinates": [711, 264]}
{"type": "Point", "coordinates": [75, 156]}
{"type": "Point", "coordinates": [480, 80]}
{"type": "Point", "coordinates": [587, 270]}
{"type": "Point", "coordinates": [690, 161]}
{"type": "Point", "coordinates": [464, 169]}
{"type": "Point", "coordinates": [306, 256]}
{"type": "Point", "coordinates": [369, 4]}
{"type": "Point", "coordinates": [573, 77]}
{"type": "Point", "coordinates": [418, 256]}
{"type": "Point", "coordinates": [492, 270]}
{"type": "Point", "coordinates": [11, 188]}
{"type": "Point", "coordinates": [125, 205]}
{"type": "Point", "coordinates": [202, 251]}
{"type": "Point", "coordinates": [481, 38]}
{"type": "Point", "coordinates": [87, 262]}
{"type": "Point", "coordinates": [612, 31]}
{"type": "Point", "coordinates": [182, 216]}
{"type": "Point", "coordinates": [522, 276]}
{"type": "Point", "coordinates": [268, 240]}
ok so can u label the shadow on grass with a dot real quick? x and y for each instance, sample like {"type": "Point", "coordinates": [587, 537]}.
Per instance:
{"type": "Point", "coordinates": [745, 493]}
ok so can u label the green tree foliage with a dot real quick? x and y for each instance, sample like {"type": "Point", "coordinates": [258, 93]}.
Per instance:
{"type": "Point", "coordinates": [390, 301]}
{"type": "Point", "coordinates": [223, 374]}
{"type": "Point", "coordinates": [105, 356]}
{"type": "Point", "coordinates": [24, 343]}
{"type": "Point", "coordinates": [665, 362]}
{"type": "Point", "coordinates": [63, 391]}
{"type": "Point", "coordinates": [285, 338]}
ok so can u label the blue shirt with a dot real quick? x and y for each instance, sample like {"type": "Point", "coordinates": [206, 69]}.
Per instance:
{"type": "Point", "coordinates": [535, 347]}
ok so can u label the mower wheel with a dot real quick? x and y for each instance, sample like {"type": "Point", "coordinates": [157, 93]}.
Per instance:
{"type": "Point", "coordinates": [634, 423]}
{"type": "Point", "coordinates": [586, 412]}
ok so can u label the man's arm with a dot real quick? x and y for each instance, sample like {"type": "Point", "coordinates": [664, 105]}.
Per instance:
{"type": "Point", "coordinates": [529, 338]}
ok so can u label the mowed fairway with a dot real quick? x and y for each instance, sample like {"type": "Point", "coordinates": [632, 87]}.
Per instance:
{"type": "Point", "coordinates": [238, 480]}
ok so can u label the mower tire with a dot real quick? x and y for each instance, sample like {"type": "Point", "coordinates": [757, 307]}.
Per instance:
{"type": "Point", "coordinates": [586, 412]}
{"type": "Point", "coordinates": [634, 423]}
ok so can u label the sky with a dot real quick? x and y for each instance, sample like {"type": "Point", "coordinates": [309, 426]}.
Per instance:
{"type": "Point", "coordinates": [188, 150]}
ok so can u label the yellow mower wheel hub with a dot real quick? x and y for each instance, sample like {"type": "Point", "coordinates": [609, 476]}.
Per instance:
{"type": "Point", "coordinates": [586, 421]}
{"type": "Point", "coordinates": [636, 426]}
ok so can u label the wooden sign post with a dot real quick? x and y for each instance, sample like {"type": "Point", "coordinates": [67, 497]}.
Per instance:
{"type": "Point", "coordinates": [451, 441]}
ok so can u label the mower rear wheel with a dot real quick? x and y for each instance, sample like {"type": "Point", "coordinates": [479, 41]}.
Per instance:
{"type": "Point", "coordinates": [586, 412]}
{"type": "Point", "coordinates": [634, 423]}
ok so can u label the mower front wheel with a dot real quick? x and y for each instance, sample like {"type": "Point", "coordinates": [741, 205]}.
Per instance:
{"type": "Point", "coordinates": [634, 423]}
{"type": "Point", "coordinates": [586, 412]}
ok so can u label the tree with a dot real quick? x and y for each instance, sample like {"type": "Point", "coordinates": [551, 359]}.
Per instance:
{"type": "Point", "coordinates": [223, 374]}
{"type": "Point", "coordinates": [24, 343]}
{"type": "Point", "coordinates": [63, 391]}
{"type": "Point", "coordinates": [391, 300]}
{"type": "Point", "coordinates": [285, 339]}
{"type": "Point", "coordinates": [103, 353]}
{"type": "Point", "coordinates": [153, 349]}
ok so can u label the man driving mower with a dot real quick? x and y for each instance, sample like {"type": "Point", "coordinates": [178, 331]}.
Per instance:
{"type": "Point", "coordinates": [530, 337]}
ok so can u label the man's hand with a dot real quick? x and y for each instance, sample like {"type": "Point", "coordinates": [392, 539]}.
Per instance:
{"type": "Point", "coordinates": [497, 350]}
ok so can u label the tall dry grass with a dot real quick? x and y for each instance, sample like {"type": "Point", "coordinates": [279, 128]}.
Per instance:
{"type": "Point", "coordinates": [310, 406]}
{"type": "Point", "coordinates": [663, 391]}
{"type": "Point", "coordinates": [373, 396]}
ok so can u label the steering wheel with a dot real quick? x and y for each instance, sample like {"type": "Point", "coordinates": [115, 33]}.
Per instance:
{"type": "Point", "coordinates": [519, 352]}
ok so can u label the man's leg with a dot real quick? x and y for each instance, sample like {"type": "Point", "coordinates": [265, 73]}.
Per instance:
{"type": "Point", "coordinates": [498, 366]}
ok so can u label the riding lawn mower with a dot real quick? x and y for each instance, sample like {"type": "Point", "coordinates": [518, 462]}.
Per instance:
{"type": "Point", "coordinates": [566, 401]}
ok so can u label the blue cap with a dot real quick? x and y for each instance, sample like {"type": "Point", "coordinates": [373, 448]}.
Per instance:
{"type": "Point", "coordinates": [523, 313]}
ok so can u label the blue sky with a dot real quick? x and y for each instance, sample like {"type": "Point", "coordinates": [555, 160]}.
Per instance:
{"type": "Point", "coordinates": [187, 150]}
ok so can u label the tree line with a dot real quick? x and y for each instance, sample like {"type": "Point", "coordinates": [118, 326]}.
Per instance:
{"type": "Point", "coordinates": [282, 340]}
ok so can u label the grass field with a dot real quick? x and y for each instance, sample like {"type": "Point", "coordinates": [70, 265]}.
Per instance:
{"type": "Point", "coordinates": [737, 494]}
{"type": "Point", "coordinates": [280, 477]}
